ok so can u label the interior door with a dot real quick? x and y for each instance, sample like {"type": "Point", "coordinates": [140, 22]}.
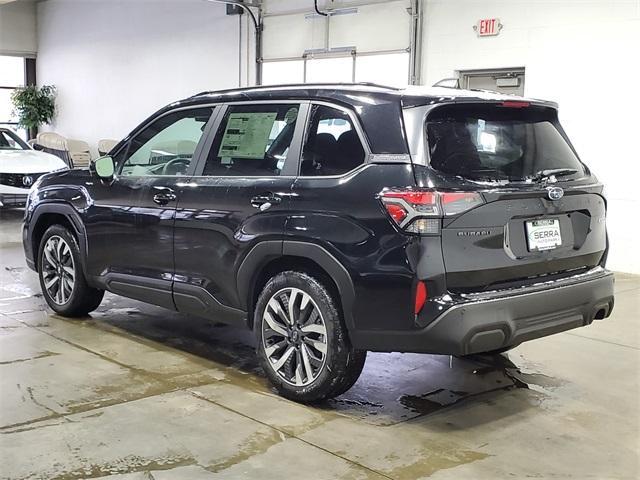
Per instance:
{"type": "Point", "coordinates": [503, 81]}
{"type": "Point", "coordinates": [130, 235]}
{"type": "Point", "coordinates": [238, 197]}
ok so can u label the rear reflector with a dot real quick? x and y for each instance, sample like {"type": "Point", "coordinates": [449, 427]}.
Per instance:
{"type": "Point", "coordinates": [420, 210]}
{"type": "Point", "coordinates": [421, 297]}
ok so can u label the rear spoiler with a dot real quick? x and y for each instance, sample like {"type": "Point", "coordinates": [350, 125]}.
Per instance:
{"type": "Point", "coordinates": [410, 101]}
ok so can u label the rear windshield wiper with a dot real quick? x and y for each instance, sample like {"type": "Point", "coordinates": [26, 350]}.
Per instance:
{"type": "Point", "coordinates": [552, 172]}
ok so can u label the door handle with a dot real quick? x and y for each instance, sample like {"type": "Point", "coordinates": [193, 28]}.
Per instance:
{"type": "Point", "coordinates": [265, 201]}
{"type": "Point", "coordinates": [164, 195]}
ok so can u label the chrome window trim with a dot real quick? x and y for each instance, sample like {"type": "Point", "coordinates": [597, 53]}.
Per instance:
{"type": "Point", "coordinates": [390, 158]}
{"type": "Point", "coordinates": [362, 166]}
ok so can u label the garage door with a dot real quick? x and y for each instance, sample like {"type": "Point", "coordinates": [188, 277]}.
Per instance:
{"type": "Point", "coordinates": [367, 43]}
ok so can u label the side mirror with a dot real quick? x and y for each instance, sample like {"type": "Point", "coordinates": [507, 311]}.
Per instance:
{"type": "Point", "coordinates": [104, 168]}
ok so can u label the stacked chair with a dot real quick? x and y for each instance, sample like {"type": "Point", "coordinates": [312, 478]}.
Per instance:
{"type": "Point", "coordinates": [105, 146]}
{"type": "Point", "coordinates": [54, 144]}
{"type": "Point", "coordinates": [75, 153]}
{"type": "Point", "coordinates": [79, 153]}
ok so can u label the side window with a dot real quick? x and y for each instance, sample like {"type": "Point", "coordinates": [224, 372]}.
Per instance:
{"type": "Point", "coordinates": [165, 147]}
{"type": "Point", "coordinates": [332, 146]}
{"type": "Point", "coordinates": [9, 142]}
{"type": "Point", "coordinates": [253, 140]}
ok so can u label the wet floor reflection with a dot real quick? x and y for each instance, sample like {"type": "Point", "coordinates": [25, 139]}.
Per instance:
{"type": "Point", "coordinates": [393, 387]}
{"type": "Point", "coordinates": [227, 346]}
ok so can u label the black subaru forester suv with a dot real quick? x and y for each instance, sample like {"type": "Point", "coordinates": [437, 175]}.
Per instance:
{"type": "Point", "coordinates": [335, 220]}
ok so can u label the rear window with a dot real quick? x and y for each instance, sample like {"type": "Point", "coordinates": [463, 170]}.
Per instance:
{"type": "Point", "coordinates": [495, 142]}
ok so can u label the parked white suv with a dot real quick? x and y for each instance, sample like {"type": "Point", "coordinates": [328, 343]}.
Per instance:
{"type": "Point", "coordinates": [20, 167]}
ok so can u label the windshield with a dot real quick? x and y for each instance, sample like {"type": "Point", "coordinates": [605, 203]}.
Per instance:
{"type": "Point", "coordinates": [10, 141]}
{"type": "Point", "coordinates": [493, 142]}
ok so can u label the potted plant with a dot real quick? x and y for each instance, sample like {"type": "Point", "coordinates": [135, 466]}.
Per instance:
{"type": "Point", "coordinates": [34, 106]}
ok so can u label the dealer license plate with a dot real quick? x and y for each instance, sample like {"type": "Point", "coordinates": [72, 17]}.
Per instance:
{"type": "Point", "coordinates": [543, 234]}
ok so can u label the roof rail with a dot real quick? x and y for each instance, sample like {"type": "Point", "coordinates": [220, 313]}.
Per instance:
{"type": "Point", "coordinates": [295, 85]}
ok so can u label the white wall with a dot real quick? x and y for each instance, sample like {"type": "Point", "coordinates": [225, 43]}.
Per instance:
{"type": "Point", "coordinates": [114, 62]}
{"type": "Point", "coordinates": [584, 54]}
{"type": "Point", "coordinates": [18, 28]}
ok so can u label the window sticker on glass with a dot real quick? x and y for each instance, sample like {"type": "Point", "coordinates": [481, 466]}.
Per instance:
{"type": "Point", "coordinates": [485, 142]}
{"type": "Point", "coordinates": [247, 135]}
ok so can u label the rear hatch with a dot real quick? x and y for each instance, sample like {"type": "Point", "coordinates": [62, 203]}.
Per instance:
{"type": "Point", "coordinates": [542, 215]}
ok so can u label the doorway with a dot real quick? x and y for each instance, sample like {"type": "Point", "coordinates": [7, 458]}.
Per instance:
{"type": "Point", "coordinates": [503, 80]}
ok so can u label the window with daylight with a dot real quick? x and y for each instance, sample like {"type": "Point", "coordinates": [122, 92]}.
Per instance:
{"type": "Point", "coordinates": [329, 70]}
{"type": "Point", "coordinates": [12, 75]}
{"type": "Point", "coordinates": [284, 72]}
{"type": "Point", "coordinates": [391, 69]}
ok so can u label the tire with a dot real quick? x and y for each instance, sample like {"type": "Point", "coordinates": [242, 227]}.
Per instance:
{"type": "Point", "coordinates": [312, 359]}
{"type": "Point", "coordinates": [356, 363]}
{"type": "Point", "coordinates": [59, 257]}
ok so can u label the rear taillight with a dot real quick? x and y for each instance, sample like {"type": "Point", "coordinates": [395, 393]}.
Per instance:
{"type": "Point", "coordinates": [420, 211]}
{"type": "Point", "coordinates": [454, 203]}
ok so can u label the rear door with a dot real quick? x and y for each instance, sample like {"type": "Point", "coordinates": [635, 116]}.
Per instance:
{"type": "Point", "coordinates": [534, 225]}
{"type": "Point", "coordinates": [239, 197]}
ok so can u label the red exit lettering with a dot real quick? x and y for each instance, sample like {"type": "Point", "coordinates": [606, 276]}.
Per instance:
{"type": "Point", "coordinates": [488, 26]}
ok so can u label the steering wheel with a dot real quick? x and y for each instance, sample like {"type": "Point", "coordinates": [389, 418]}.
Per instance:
{"type": "Point", "coordinates": [173, 167]}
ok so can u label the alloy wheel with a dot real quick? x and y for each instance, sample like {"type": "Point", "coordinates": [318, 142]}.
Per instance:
{"type": "Point", "coordinates": [294, 336]}
{"type": "Point", "coordinates": [58, 270]}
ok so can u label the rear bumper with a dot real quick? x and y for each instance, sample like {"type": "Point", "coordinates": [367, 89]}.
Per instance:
{"type": "Point", "coordinates": [490, 321]}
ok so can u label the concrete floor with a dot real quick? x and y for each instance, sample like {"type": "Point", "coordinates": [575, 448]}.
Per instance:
{"type": "Point", "coordinates": [138, 392]}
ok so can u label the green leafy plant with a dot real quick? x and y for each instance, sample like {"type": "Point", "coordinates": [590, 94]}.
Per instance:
{"type": "Point", "coordinates": [34, 106]}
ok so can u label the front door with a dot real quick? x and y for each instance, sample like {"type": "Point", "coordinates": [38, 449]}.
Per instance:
{"type": "Point", "coordinates": [239, 197]}
{"type": "Point", "coordinates": [130, 230]}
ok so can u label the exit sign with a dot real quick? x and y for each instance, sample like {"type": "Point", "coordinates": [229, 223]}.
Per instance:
{"type": "Point", "coordinates": [488, 27]}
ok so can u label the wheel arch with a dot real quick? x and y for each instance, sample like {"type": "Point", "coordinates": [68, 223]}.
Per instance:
{"type": "Point", "coordinates": [269, 258]}
{"type": "Point", "coordinates": [47, 215]}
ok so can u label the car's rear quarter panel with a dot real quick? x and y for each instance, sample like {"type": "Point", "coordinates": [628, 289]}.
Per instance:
{"type": "Point", "coordinates": [344, 216]}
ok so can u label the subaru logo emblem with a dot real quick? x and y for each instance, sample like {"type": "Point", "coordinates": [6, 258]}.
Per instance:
{"type": "Point", "coordinates": [555, 193]}
{"type": "Point", "coordinates": [27, 181]}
